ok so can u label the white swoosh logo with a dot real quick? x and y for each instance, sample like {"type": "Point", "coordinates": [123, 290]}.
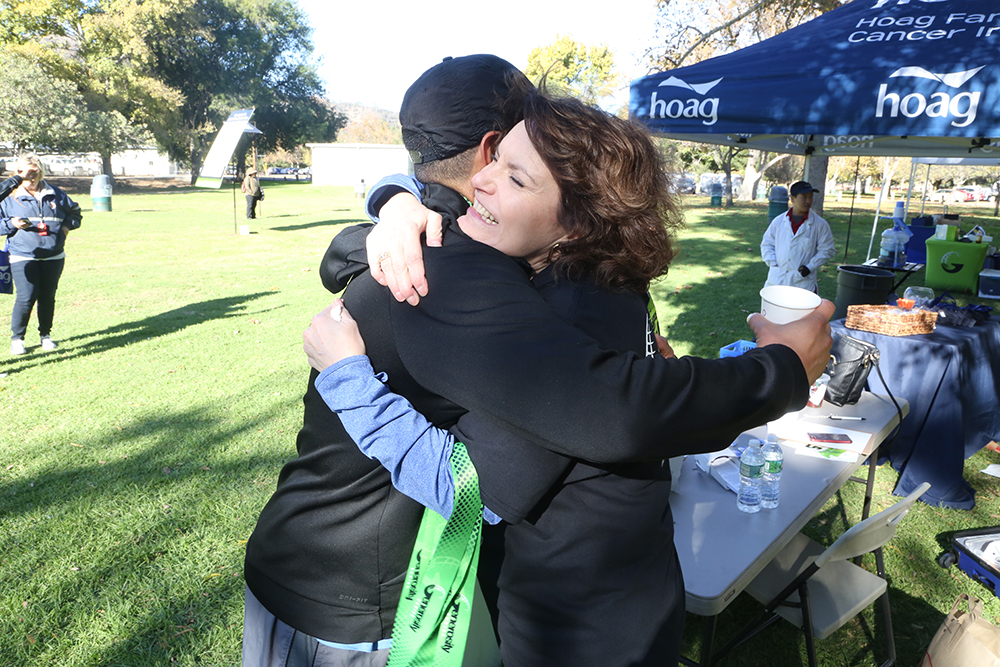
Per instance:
{"type": "Point", "coordinates": [700, 88]}
{"type": "Point", "coordinates": [953, 80]}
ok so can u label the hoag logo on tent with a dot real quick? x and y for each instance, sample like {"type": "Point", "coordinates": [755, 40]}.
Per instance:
{"type": "Point", "coordinates": [706, 109]}
{"type": "Point", "coordinates": [961, 106]}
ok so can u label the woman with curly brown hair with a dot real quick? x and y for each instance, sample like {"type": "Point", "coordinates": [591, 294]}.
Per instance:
{"type": "Point", "coordinates": [589, 575]}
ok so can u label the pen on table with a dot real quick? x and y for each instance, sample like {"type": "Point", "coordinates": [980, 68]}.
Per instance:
{"type": "Point", "coordinates": [846, 418]}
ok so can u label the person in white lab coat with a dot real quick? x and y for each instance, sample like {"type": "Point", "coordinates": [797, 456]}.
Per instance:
{"type": "Point", "coordinates": [797, 243]}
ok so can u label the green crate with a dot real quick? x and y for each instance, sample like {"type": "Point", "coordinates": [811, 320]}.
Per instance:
{"type": "Point", "coordinates": [952, 265]}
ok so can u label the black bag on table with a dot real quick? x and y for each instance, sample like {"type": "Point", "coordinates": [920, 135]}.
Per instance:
{"type": "Point", "coordinates": [850, 362]}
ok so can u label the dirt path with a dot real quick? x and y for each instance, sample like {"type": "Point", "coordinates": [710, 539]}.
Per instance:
{"type": "Point", "coordinates": [77, 185]}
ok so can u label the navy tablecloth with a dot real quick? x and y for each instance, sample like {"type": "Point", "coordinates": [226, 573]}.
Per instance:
{"type": "Point", "coordinates": [951, 378]}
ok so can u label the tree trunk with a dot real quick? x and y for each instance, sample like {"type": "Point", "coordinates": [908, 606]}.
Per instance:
{"type": "Point", "coordinates": [727, 168]}
{"type": "Point", "coordinates": [241, 164]}
{"type": "Point", "coordinates": [106, 168]}
{"type": "Point", "coordinates": [196, 160]}
{"type": "Point", "coordinates": [818, 166]}
{"type": "Point", "coordinates": [752, 175]}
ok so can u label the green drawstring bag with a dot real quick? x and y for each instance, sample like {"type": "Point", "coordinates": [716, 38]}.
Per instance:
{"type": "Point", "coordinates": [435, 609]}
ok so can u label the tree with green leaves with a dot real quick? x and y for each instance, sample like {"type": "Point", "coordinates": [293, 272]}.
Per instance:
{"type": "Point", "coordinates": [237, 54]}
{"type": "Point", "coordinates": [101, 50]}
{"type": "Point", "coordinates": [175, 69]}
{"type": "Point", "coordinates": [586, 72]}
{"type": "Point", "coordinates": [38, 109]}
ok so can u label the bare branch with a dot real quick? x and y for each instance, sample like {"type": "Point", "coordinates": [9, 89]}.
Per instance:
{"type": "Point", "coordinates": [724, 26]}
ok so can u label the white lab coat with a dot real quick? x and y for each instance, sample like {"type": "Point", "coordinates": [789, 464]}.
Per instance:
{"type": "Point", "coordinates": [785, 252]}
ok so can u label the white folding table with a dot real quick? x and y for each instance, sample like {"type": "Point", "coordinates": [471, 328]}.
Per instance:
{"type": "Point", "coordinates": [722, 549]}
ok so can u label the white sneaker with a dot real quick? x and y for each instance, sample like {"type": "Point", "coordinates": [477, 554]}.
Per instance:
{"type": "Point", "coordinates": [48, 344]}
{"type": "Point", "coordinates": [16, 346]}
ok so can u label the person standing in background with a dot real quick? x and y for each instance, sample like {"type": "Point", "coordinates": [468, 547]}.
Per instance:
{"type": "Point", "coordinates": [797, 243]}
{"type": "Point", "coordinates": [36, 219]}
{"type": "Point", "coordinates": [251, 188]}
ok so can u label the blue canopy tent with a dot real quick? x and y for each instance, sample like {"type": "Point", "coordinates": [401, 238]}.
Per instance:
{"type": "Point", "coordinates": [874, 77]}
{"type": "Point", "coordinates": [916, 78]}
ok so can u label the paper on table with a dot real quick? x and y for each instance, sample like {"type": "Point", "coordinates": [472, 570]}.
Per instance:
{"type": "Point", "coordinates": [830, 453]}
{"type": "Point", "coordinates": [722, 466]}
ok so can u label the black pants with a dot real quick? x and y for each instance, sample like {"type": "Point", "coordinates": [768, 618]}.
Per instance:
{"type": "Point", "coordinates": [34, 282]}
{"type": "Point", "coordinates": [251, 207]}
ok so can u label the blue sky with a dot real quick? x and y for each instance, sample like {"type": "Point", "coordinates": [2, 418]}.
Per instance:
{"type": "Point", "coordinates": [370, 52]}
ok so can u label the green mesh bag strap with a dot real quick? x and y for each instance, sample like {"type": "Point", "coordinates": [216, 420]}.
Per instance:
{"type": "Point", "coordinates": [432, 619]}
{"type": "Point", "coordinates": [651, 310]}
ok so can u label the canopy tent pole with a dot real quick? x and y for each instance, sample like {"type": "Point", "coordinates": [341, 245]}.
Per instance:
{"type": "Point", "coordinates": [854, 195]}
{"type": "Point", "coordinates": [909, 190]}
{"type": "Point", "coordinates": [927, 180]}
{"type": "Point", "coordinates": [878, 209]}
{"type": "Point", "coordinates": [236, 227]}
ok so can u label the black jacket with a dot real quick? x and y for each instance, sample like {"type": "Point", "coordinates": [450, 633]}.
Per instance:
{"type": "Point", "coordinates": [332, 544]}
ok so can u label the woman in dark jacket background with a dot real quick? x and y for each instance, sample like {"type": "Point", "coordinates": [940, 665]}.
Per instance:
{"type": "Point", "coordinates": [36, 219]}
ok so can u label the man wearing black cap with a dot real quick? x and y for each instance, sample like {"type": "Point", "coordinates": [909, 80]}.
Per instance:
{"type": "Point", "coordinates": [325, 564]}
{"type": "Point", "coordinates": [797, 243]}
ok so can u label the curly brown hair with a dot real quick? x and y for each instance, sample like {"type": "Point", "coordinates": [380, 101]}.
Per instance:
{"type": "Point", "coordinates": [616, 199]}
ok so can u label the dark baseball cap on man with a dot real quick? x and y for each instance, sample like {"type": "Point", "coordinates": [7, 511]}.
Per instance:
{"type": "Point", "coordinates": [454, 104]}
{"type": "Point", "coordinates": [800, 188]}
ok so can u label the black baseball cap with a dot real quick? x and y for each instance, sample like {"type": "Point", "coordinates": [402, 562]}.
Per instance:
{"type": "Point", "coordinates": [455, 103]}
{"type": "Point", "coordinates": [800, 188]}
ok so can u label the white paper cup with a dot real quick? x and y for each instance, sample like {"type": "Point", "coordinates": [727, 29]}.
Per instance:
{"type": "Point", "coordinates": [782, 304]}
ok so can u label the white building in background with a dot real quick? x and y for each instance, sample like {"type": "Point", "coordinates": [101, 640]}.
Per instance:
{"type": "Point", "coordinates": [348, 164]}
{"type": "Point", "coordinates": [144, 162]}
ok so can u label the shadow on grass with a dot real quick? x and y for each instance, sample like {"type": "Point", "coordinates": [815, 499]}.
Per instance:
{"type": "Point", "coordinates": [126, 333]}
{"type": "Point", "coordinates": [151, 583]}
{"type": "Point", "coordinates": [320, 223]}
{"type": "Point", "coordinates": [861, 642]}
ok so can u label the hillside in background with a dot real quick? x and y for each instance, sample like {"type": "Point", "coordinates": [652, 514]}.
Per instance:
{"type": "Point", "coordinates": [369, 125]}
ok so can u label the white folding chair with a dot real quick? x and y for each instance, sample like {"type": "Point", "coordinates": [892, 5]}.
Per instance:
{"type": "Point", "coordinates": [819, 589]}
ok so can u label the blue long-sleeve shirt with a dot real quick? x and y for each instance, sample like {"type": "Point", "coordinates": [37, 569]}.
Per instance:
{"type": "Point", "coordinates": [382, 191]}
{"type": "Point", "coordinates": [387, 428]}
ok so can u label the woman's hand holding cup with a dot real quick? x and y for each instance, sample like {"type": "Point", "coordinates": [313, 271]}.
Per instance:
{"type": "Point", "coordinates": [809, 337]}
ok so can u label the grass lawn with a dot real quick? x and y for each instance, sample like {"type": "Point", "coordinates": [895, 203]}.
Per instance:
{"type": "Point", "coordinates": [135, 458]}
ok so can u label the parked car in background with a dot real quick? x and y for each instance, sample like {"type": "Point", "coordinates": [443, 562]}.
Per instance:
{"type": "Point", "coordinates": [91, 165]}
{"type": "Point", "coordinates": [57, 165]}
{"type": "Point", "coordinates": [685, 185]}
{"type": "Point", "coordinates": [966, 193]}
{"type": "Point", "coordinates": [946, 196]}
{"type": "Point", "coordinates": [65, 165]}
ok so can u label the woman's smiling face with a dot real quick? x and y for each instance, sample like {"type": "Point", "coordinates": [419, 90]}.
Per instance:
{"type": "Point", "coordinates": [516, 202]}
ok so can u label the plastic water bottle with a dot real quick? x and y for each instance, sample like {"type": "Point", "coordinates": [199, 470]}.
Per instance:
{"type": "Point", "coordinates": [770, 484]}
{"type": "Point", "coordinates": [892, 250]}
{"type": "Point", "coordinates": [751, 469]}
